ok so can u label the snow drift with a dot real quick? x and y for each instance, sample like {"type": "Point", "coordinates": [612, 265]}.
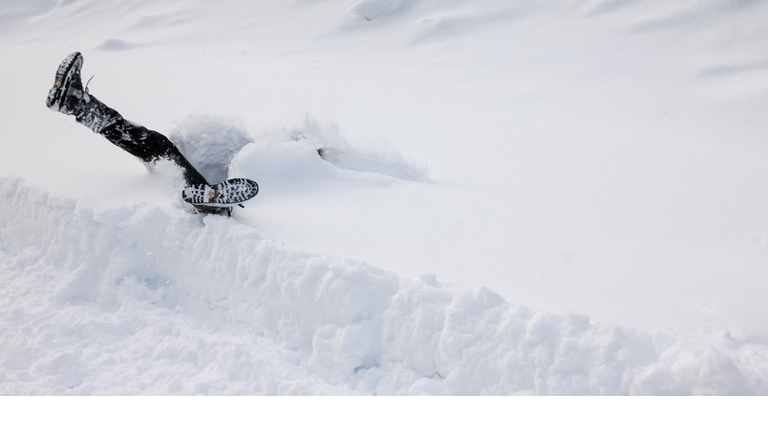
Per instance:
{"type": "Point", "coordinates": [601, 162]}
{"type": "Point", "coordinates": [92, 303]}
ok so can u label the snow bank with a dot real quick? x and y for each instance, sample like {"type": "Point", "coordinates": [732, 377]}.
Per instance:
{"type": "Point", "coordinates": [144, 299]}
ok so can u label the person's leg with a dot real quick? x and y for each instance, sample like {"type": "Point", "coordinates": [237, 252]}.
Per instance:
{"type": "Point", "coordinates": [68, 96]}
{"type": "Point", "coordinates": [149, 146]}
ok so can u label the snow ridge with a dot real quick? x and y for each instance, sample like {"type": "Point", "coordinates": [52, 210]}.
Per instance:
{"type": "Point", "coordinates": [151, 300]}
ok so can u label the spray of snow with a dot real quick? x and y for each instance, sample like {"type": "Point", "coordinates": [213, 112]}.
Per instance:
{"type": "Point", "coordinates": [290, 154]}
{"type": "Point", "coordinates": [209, 142]}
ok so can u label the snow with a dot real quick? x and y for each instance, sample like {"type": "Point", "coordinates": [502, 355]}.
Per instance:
{"type": "Point", "coordinates": [514, 198]}
{"type": "Point", "coordinates": [210, 142]}
{"type": "Point", "coordinates": [142, 300]}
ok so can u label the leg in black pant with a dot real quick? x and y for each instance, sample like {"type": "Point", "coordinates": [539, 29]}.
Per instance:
{"type": "Point", "coordinates": [150, 146]}
{"type": "Point", "coordinates": [68, 96]}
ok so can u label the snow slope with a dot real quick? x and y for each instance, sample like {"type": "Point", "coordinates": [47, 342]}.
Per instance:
{"type": "Point", "coordinates": [600, 162]}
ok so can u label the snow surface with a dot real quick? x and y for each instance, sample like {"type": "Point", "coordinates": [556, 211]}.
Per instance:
{"type": "Point", "coordinates": [524, 197]}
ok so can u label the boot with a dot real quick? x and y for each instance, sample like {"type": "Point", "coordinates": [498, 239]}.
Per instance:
{"type": "Point", "coordinates": [67, 96]}
{"type": "Point", "coordinates": [68, 88]}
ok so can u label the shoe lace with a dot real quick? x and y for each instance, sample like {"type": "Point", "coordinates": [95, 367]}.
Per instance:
{"type": "Point", "coordinates": [86, 84]}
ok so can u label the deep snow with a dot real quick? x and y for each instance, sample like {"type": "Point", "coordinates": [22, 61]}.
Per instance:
{"type": "Point", "coordinates": [141, 300]}
{"type": "Point", "coordinates": [521, 197]}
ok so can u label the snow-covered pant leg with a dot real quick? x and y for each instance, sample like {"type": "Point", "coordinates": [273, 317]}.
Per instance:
{"type": "Point", "coordinates": [149, 146]}
{"type": "Point", "coordinates": [137, 140]}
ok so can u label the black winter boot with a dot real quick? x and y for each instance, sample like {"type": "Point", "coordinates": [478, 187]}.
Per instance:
{"type": "Point", "coordinates": [67, 96]}
{"type": "Point", "coordinates": [68, 88]}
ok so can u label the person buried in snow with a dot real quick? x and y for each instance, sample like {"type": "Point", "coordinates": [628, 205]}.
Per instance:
{"type": "Point", "coordinates": [68, 96]}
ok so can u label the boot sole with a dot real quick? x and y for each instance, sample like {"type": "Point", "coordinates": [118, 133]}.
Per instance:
{"type": "Point", "coordinates": [225, 194]}
{"type": "Point", "coordinates": [67, 69]}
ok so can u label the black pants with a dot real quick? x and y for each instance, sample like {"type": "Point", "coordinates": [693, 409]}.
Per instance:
{"type": "Point", "coordinates": [150, 146]}
{"type": "Point", "coordinates": [137, 140]}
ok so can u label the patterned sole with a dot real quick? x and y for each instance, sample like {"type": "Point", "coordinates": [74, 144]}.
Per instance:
{"type": "Point", "coordinates": [64, 74]}
{"type": "Point", "coordinates": [225, 194]}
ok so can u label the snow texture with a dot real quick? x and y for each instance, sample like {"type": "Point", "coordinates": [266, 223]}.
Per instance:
{"type": "Point", "coordinates": [517, 198]}
{"type": "Point", "coordinates": [140, 300]}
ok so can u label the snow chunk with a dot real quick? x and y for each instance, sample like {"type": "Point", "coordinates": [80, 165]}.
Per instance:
{"type": "Point", "coordinates": [378, 161]}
